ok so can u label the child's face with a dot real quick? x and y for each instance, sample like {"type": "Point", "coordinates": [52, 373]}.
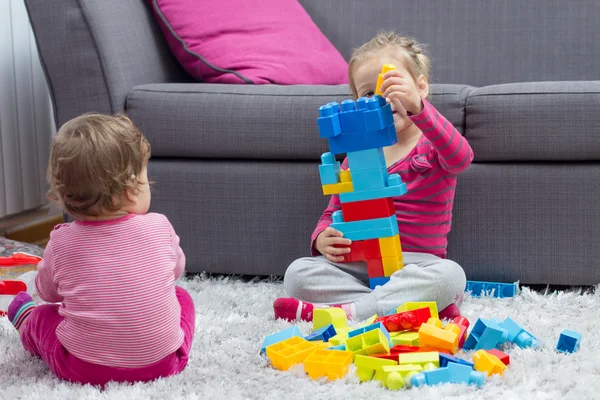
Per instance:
{"type": "Point", "coordinates": [365, 80]}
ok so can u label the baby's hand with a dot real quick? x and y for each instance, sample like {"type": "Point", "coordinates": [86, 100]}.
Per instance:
{"type": "Point", "coordinates": [325, 244]}
{"type": "Point", "coordinates": [401, 92]}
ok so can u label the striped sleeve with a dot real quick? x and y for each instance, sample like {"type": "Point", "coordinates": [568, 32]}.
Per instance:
{"type": "Point", "coordinates": [45, 285]}
{"type": "Point", "coordinates": [455, 153]}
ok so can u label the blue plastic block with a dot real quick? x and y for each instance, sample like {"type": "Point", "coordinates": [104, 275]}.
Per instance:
{"type": "Point", "coordinates": [395, 188]}
{"type": "Point", "coordinates": [341, 347]}
{"type": "Point", "coordinates": [329, 121]}
{"type": "Point", "coordinates": [329, 170]}
{"type": "Point", "coordinates": [447, 358]}
{"type": "Point", "coordinates": [371, 327]}
{"type": "Point", "coordinates": [568, 342]}
{"type": "Point", "coordinates": [378, 115]}
{"type": "Point", "coordinates": [352, 116]}
{"type": "Point", "coordinates": [324, 334]}
{"type": "Point", "coordinates": [369, 179]}
{"type": "Point", "coordinates": [374, 282]}
{"type": "Point", "coordinates": [486, 334]}
{"type": "Point", "coordinates": [367, 229]}
{"type": "Point", "coordinates": [280, 336]}
{"type": "Point", "coordinates": [362, 140]}
{"type": "Point", "coordinates": [518, 335]}
{"type": "Point", "coordinates": [500, 290]}
{"type": "Point", "coordinates": [453, 373]}
{"type": "Point", "coordinates": [366, 159]}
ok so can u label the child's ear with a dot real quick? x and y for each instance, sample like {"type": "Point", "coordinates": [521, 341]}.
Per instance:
{"type": "Point", "coordinates": [131, 196]}
{"type": "Point", "coordinates": [423, 86]}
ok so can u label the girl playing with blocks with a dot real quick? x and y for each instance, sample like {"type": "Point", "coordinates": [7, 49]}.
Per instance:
{"type": "Point", "coordinates": [116, 314]}
{"type": "Point", "coordinates": [429, 155]}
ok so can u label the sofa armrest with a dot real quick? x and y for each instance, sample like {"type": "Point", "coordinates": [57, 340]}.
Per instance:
{"type": "Point", "coordinates": [94, 52]}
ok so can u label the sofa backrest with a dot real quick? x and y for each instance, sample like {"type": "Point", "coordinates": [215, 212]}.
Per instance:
{"type": "Point", "coordinates": [477, 42]}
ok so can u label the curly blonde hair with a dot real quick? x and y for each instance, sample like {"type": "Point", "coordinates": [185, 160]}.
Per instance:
{"type": "Point", "coordinates": [418, 62]}
{"type": "Point", "coordinates": [94, 160]}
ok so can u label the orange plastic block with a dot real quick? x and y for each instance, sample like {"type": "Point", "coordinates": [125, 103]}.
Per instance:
{"type": "Point", "coordinates": [292, 351]}
{"type": "Point", "coordinates": [488, 363]}
{"type": "Point", "coordinates": [390, 246]}
{"type": "Point", "coordinates": [384, 69]}
{"type": "Point", "coordinates": [345, 185]}
{"type": "Point", "coordinates": [433, 338]}
{"type": "Point", "coordinates": [330, 363]}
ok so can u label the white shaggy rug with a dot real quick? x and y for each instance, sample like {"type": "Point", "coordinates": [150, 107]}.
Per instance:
{"type": "Point", "coordinates": [233, 317]}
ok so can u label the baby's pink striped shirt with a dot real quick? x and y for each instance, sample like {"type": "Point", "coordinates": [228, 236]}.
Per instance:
{"type": "Point", "coordinates": [424, 213]}
{"type": "Point", "coordinates": [115, 280]}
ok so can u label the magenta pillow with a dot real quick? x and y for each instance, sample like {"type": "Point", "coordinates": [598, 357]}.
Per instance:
{"type": "Point", "coordinates": [249, 41]}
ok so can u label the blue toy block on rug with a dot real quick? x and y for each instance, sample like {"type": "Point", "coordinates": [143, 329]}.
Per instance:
{"type": "Point", "coordinates": [518, 335]}
{"type": "Point", "coordinates": [374, 282]}
{"type": "Point", "coordinates": [486, 334]}
{"type": "Point", "coordinates": [500, 290]}
{"type": "Point", "coordinates": [280, 336]}
{"type": "Point", "coordinates": [447, 358]}
{"type": "Point", "coordinates": [324, 334]}
{"type": "Point", "coordinates": [452, 373]}
{"type": "Point", "coordinates": [568, 342]}
{"type": "Point", "coordinates": [366, 159]}
{"type": "Point", "coordinates": [378, 325]}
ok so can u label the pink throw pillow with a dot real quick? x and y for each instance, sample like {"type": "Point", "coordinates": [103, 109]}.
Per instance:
{"type": "Point", "coordinates": [249, 41]}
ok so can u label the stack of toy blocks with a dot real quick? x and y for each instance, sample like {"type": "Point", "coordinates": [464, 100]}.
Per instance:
{"type": "Point", "coordinates": [361, 129]}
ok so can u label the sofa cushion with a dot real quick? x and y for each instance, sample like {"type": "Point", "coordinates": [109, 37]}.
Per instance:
{"type": "Point", "coordinates": [249, 41]}
{"type": "Point", "coordinates": [253, 122]}
{"type": "Point", "coordinates": [540, 121]}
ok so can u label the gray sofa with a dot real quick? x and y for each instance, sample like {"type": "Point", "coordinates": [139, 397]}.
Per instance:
{"type": "Point", "coordinates": [236, 166]}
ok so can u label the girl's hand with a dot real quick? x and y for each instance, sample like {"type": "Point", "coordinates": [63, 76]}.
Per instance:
{"type": "Point", "coordinates": [401, 92]}
{"type": "Point", "coordinates": [325, 244]}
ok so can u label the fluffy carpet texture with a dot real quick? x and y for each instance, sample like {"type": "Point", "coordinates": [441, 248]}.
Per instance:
{"type": "Point", "coordinates": [233, 317]}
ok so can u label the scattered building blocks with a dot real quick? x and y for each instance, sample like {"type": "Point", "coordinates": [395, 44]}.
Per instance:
{"type": "Point", "coordinates": [341, 337]}
{"type": "Point", "coordinates": [289, 352]}
{"type": "Point", "coordinates": [568, 342]}
{"type": "Point", "coordinates": [415, 305]}
{"type": "Point", "coordinates": [486, 334]}
{"type": "Point", "coordinates": [368, 229]}
{"type": "Point", "coordinates": [386, 68]}
{"type": "Point", "coordinates": [368, 367]}
{"type": "Point", "coordinates": [341, 347]}
{"type": "Point", "coordinates": [390, 246]}
{"type": "Point", "coordinates": [331, 364]}
{"type": "Point", "coordinates": [374, 282]}
{"type": "Point", "coordinates": [367, 209]}
{"type": "Point", "coordinates": [366, 159]}
{"type": "Point", "coordinates": [407, 320]}
{"type": "Point", "coordinates": [324, 334]}
{"type": "Point", "coordinates": [447, 358]}
{"type": "Point", "coordinates": [344, 186]}
{"type": "Point", "coordinates": [335, 316]}
{"type": "Point", "coordinates": [399, 349]}
{"type": "Point", "coordinates": [394, 188]}
{"type": "Point", "coordinates": [280, 336]}
{"type": "Point", "coordinates": [427, 360]}
{"type": "Point", "coordinates": [518, 335]}
{"type": "Point", "coordinates": [433, 337]}
{"type": "Point", "coordinates": [463, 324]}
{"type": "Point", "coordinates": [395, 377]}
{"type": "Point", "coordinates": [370, 342]}
{"type": "Point", "coordinates": [375, 325]}
{"type": "Point", "coordinates": [497, 289]}
{"type": "Point", "coordinates": [370, 320]}
{"type": "Point", "coordinates": [452, 373]}
{"type": "Point", "coordinates": [405, 339]}
{"type": "Point", "coordinates": [488, 363]}
{"type": "Point", "coordinates": [12, 287]}
{"type": "Point", "coordinates": [505, 358]}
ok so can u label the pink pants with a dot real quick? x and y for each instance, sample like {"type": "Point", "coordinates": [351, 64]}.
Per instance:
{"type": "Point", "coordinates": [39, 338]}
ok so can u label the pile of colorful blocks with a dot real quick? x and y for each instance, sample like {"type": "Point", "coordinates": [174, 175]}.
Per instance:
{"type": "Point", "coordinates": [408, 347]}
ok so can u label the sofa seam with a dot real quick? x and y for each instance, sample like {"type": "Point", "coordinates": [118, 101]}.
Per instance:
{"type": "Point", "coordinates": [251, 94]}
{"type": "Point", "coordinates": [531, 94]}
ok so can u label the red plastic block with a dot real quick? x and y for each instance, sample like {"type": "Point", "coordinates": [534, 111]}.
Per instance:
{"type": "Point", "coordinates": [505, 358]}
{"type": "Point", "coordinates": [368, 209]}
{"type": "Point", "coordinates": [408, 320]}
{"type": "Point", "coordinates": [393, 357]}
{"type": "Point", "coordinates": [12, 288]}
{"type": "Point", "coordinates": [357, 251]}
{"type": "Point", "coordinates": [462, 324]}
{"type": "Point", "coordinates": [375, 268]}
{"type": "Point", "coordinates": [372, 249]}
{"type": "Point", "coordinates": [399, 349]}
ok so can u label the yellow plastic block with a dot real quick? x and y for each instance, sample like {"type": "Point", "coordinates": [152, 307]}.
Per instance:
{"type": "Point", "coordinates": [415, 305]}
{"type": "Point", "coordinates": [345, 184]}
{"type": "Point", "coordinates": [395, 377]}
{"type": "Point", "coordinates": [433, 337]}
{"type": "Point", "coordinates": [341, 337]}
{"type": "Point", "coordinates": [404, 338]}
{"type": "Point", "coordinates": [292, 351]}
{"type": "Point", "coordinates": [332, 364]}
{"type": "Point", "coordinates": [427, 360]}
{"type": "Point", "coordinates": [332, 315]}
{"type": "Point", "coordinates": [369, 321]}
{"type": "Point", "coordinates": [367, 367]}
{"type": "Point", "coordinates": [384, 69]}
{"type": "Point", "coordinates": [391, 265]}
{"type": "Point", "coordinates": [370, 342]}
{"type": "Point", "coordinates": [323, 345]}
{"type": "Point", "coordinates": [488, 363]}
{"type": "Point", "coordinates": [390, 246]}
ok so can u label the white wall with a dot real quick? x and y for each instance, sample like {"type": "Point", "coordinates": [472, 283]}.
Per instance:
{"type": "Point", "coordinates": [26, 124]}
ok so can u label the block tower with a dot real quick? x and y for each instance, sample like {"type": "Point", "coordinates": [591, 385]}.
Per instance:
{"type": "Point", "coordinates": [361, 129]}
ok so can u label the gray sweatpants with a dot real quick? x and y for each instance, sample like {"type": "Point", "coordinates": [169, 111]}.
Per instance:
{"type": "Point", "coordinates": [424, 277]}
